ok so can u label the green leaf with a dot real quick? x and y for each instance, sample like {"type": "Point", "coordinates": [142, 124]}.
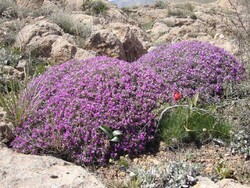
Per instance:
{"type": "Point", "coordinates": [115, 139]}
{"type": "Point", "coordinates": [195, 99]}
{"type": "Point", "coordinates": [190, 103]}
{"type": "Point", "coordinates": [117, 133]}
{"type": "Point", "coordinates": [107, 130]}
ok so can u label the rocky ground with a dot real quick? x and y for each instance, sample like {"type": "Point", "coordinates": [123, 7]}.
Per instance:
{"type": "Point", "coordinates": [38, 37]}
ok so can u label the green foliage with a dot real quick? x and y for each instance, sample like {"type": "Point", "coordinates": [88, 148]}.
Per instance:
{"type": "Point", "coordinates": [187, 123]}
{"type": "Point", "coordinates": [240, 143]}
{"type": "Point", "coordinates": [160, 4]}
{"type": "Point", "coordinates": [171, 174]}
{"type": "Point", "coordinates": [39, 66]}
{"type": "Point", "coordinates": [177, 13]}
{"type": "Point", "coordinates": [8, 9]}
{"type": "Point", "coordinates": [95, 7]}
{"type": "Point", "coordinates": [114, 136]}
{"type": "Point", "coordinates": [9, 56]}
{"type": "Point", "coordinates": [11, 32]}
{"type": "Point", "coordinates": [147, 25]}
{"type": "Point", "coordinates": [182, 11]}
{"type": "Point", "coordinates": [9, 101]}
{"type": "Point", "coordinates": [71, 26]}
{"type": "Point", "coordinates": [123, 162]}
{"type": "Point", "coordinates": [223, 171]}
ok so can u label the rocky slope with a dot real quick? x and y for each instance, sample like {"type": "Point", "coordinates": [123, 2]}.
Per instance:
{"type": "Point", "coordinates": [46, 31]}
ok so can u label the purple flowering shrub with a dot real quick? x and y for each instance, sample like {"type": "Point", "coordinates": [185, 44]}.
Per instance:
{"type": "Point", "coordinates": [192, 66]}
{"type": "Point", "coordinates": [73, 99]}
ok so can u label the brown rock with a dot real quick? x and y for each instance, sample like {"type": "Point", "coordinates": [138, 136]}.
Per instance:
{"type": "Point", "coordinates": [62, 50]}
{"type": "Point", "coordinates": [22, 65]}
{"type": "Point", "coordinates": [19, 170]}
{"type": "Point", "coordinates": [12, 72]}
{"type": "Point", "coordinates": [133, 48]}
{"type": "Point", "coordinates": [6, 134]}
{"type": "Point", "coordinates": [159, 29]}
{"type": "Point", "coordinates": [106, 43]}
{"type": "Point", "coordinates": [229, 183]}
{"type": "Point", "coordinates": [84, 54]}
{"type": "Point", "coordinates": [38, 37]}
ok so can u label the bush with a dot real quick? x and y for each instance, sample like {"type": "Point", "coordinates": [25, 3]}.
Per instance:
{"type": "Point", "coordinates": [72, 100]}
{"type": "Point", "coordinates": [69, 25]}
{"type": "Point", "coordinates": [185, 125]}
{"type": "Point", "coordinates": [95, 7]}
{"type": "Point", "coordinates": [193, 67]}
{"type": "Point", "coordinates": [8, 9]}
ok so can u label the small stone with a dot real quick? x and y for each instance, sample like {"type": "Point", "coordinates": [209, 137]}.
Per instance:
{"type": "Point", "coordinates": [122, 174]}
{"type": "Point", "coordinates": [218, 142]}
{"type": "Point", "coordinates": [6, 134]}
{"type": "Point", "coordinates": [53, 177]}
{"type": "Point", "coordinates": [191, 178]}
{"type": "Point", "coordinates": [8, 70]}
{"type": "Point", "coordinates": [22, 65]}
{"type": "Point", "coordinates": [136, 160]}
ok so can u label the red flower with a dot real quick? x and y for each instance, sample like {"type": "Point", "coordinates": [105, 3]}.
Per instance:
{"type": "Point", "coordinates": [177, 96]}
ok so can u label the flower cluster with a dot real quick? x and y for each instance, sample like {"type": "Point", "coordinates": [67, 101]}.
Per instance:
{"type": "Point", "coordinates": [75, 98]}
{"type": "Point", "coordinates": [192, 66]}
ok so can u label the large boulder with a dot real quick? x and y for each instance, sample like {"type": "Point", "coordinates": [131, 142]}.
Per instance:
{"type": "Point", "coordinates": [38, 37]}
{"type": "Point", "coordinates": [105, 42]}
{"type": "Point", "coordinates": [132, 39]}
{"type": "Point", "coordinates": [204, 182]}
{"type": "Point", "coordinates": [19, 170]}
{"type": "Point", "coordinates": [45, 39]}
{"type": "Point", "coordinates": [62, 49]}
{"type": "Point", "coordinates": [122, 41]}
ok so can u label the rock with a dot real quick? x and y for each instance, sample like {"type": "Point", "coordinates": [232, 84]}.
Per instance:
{"type": "Point", "coordinates": [47, 40]}
{"type": "Point", "coordinates": [14, 73]}
{"type": "Point", "coordinates": [229, 183]}
{"type": "Point", "coordinates": [2, 114]}
{"type": "Point", "coordinates": [38, 37]}
{"type": "Point", "coordinates": [8, 70]}
{"type": "Point", "coordinates": [22, 65]}
{"type": "Point", "coordinates": [73, 5]}
{"type": "Point", "coordinates": [204, 182]}
{"type": "Point", "coordinates": [106, 43]}
{"type": "Point", "coordinates": [84, 54]}
{"type": "Point", "coordinates": [62, 50]}
{"type": "Point", "coordinates": [6, 132]}
{"type": "Point", "coordinates": [29, 3]}
{"type": "Point", "coordinates": [159, 29]}
{"type": "Point", "coordinates": [120, 40]}
{"type": "Point", "coordinates": [19, 170]}
{"type": "Point", "coordinates": [128, 35]}
{"type": "Point", "coordinates": [33, 35]}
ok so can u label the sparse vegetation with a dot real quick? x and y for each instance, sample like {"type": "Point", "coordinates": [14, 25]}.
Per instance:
{"type": "Point", "coordinates": [173, 174]}
{"type": "Point", "coordinates": [12, 29]}
{"type": "Point", "coordinates": [80, 30]}
{"type": "Point", "coordinates": [96, 7]}
{"type": "Point", "coordinates": [240, 27]}
{"type": "Point", "coordinates": [160, 4]}
{"type": "Point", "coordinates": [69, 25]}
{"type": "Point", "coordinates": [8, 9]}
{"type": "Point", "coordinates": [104, 111]}
{"type": "Point", "coordinates": [186, 123]}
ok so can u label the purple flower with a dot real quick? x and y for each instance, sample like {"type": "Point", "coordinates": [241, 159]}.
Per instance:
{"type": "Point", "coordinates": [70, 101]}
{"type": "Point", "coordinates": [193, 66]}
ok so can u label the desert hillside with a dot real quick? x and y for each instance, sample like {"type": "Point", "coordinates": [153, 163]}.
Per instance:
{"type": "Point", "coordinates": [98, 93]}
